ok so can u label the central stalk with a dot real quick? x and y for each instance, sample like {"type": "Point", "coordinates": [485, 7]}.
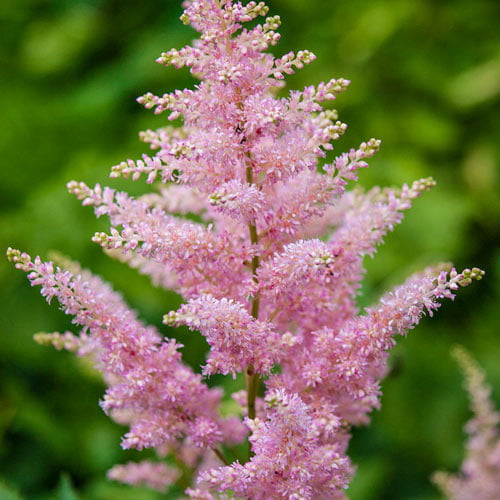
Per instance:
{"type": "Point", "coordinates": [252, 379]}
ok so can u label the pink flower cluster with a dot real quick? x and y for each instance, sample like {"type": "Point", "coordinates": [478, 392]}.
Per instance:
{"type": "Point", "coordinates": [479, 477]}
{"type": "Point", "coordinates": [157, 476]}
{"type": "Point", "coordinates": [269, 269]}
{"type": "Point", "coordinates": [150, 389]}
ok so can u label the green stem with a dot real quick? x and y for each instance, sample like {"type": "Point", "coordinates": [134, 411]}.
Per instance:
{"type": "Point", "coordinates": [252, 378]}
{"type": "Point", "coordinates": [221, 456]}
{"type": "Point", "coordinates": [254, 239]}
{"type": "Point", "coordinates": [252, 385]}
{"type": "Point", "coordinates": [255, 264]}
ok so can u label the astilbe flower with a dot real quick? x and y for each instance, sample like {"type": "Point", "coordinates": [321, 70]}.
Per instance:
{"type": "Point", "coordinates": [157, 476]}
{"type": "Point", "coordinates": [161, 397]}
{"type": "Point", "coordinates": [269, 263]}
{"type": "Point", "coordinates": [290, 460]}
{"type": "Point", "coordinates": [479, 477]}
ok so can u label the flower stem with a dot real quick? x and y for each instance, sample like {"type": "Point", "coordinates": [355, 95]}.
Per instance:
{"type": "Point", "coordinates": [252, 379]}
{"type": "Point", "coordinates": [221, 456]}
{"type": "Point", "coordinates": [252, 384]}
{"type": "Point", "coordinates": [255, 264]}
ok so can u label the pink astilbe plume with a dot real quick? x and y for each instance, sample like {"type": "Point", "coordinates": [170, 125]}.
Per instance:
{"type": "Point", "coordinates": [255, 228]}
{"type": "Point", "coordinates": [479, 477]}
{"type": "Point", "coordinates": [157, 476]}
{"type": "Point", "coordinates": [163, 397]}
{"type": "Point", "coordinates": [345, 365]}
{"type": "Point", "coordinates": [237, 339]}
{"type": "Point", "coordinates": [290, 459]}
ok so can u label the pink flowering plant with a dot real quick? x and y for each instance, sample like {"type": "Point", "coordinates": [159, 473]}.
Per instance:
{"type": "Point", "coordinates": [479, 477]}
{"type": "Point", "coordinates": [256, 231]}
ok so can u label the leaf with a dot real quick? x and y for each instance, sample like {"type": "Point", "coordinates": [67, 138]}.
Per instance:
{"type": "Point", "coordinates": [65, 490]}
{"type": "Point", "coordinates": [7, 493]}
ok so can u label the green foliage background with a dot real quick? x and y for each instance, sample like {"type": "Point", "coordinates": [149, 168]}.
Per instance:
{"type": "Point", "coordinates": [425, 79]}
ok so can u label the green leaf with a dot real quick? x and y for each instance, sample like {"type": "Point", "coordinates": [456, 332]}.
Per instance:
{"type": "Point", "coordinates": [65, 489]}
{"type": "Point", "coordinates": [8, 494]}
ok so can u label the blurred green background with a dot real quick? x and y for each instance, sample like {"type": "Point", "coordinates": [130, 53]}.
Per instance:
{"type": "Point", "coordinates": [425, 79]}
